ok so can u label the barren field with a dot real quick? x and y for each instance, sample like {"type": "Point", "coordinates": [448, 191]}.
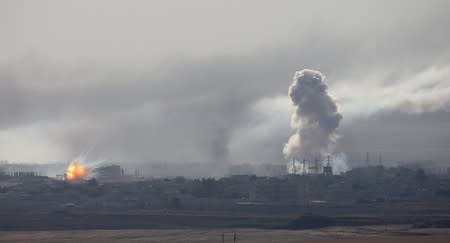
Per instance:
{"type": "Point", "coordinates": [369, 234]}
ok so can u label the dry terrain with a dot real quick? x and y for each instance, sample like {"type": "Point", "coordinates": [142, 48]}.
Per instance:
{"type": "Point", "coordinates": [367, 234]}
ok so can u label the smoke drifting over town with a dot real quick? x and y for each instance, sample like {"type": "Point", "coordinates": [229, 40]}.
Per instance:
{"type": "Point", "coordinates": [188, 87]}
{"type": "Point", "coordinates": [315, 119]}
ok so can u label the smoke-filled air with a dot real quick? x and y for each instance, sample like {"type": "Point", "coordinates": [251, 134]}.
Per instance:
{"type": "Point", "coordinates": [315, 119]}
{"type": "Point", "coordinates": [213, 121]}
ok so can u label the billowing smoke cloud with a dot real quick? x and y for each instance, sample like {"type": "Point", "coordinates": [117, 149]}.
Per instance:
{"type": "Point", "coordinates": [340, 163]}
{"type": "Point", "coordinates": [315, 119]}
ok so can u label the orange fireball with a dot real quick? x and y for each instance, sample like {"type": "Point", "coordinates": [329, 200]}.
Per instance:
{"type": "Point", "coordinates": [76, 171]}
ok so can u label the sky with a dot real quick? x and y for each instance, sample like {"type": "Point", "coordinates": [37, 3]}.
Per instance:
{"type": "Point", "coordinates": [207, 81]}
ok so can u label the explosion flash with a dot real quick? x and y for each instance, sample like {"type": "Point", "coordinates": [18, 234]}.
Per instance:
{"type": "Point", "coordinates": [76, 171]}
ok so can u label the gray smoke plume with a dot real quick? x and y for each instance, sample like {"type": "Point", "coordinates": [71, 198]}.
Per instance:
{"type": "Point", "coordinates": [315, 119]}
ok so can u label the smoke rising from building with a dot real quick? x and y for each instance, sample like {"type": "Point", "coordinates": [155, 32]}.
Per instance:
{"type": "Point", "coordinates": [315, 119]}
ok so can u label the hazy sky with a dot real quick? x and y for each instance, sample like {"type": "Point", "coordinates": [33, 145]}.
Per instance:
{"type": "Point", "coordinates": [207, 80]}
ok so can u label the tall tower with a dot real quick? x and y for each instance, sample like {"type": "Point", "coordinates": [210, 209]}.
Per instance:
{"type": "Point", "coordinates": [328, 170]}
{"type": "Point", "coordinates": [367, 159]}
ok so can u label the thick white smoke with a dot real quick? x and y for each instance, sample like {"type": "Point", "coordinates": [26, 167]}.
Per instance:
{"type": "Point", "coordinates": [315, 119]}
{"type": "Point", "coordinates": [339, 161]}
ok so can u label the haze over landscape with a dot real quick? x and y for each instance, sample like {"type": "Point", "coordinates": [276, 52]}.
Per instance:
{"type": "Point", "coordinates": [207, 81]}
{"type": "Point", "coordinates": [225, 121]}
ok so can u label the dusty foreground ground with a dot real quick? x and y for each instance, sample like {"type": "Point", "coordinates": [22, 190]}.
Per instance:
{"type": "Point", "coordinates": [369, 234]}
